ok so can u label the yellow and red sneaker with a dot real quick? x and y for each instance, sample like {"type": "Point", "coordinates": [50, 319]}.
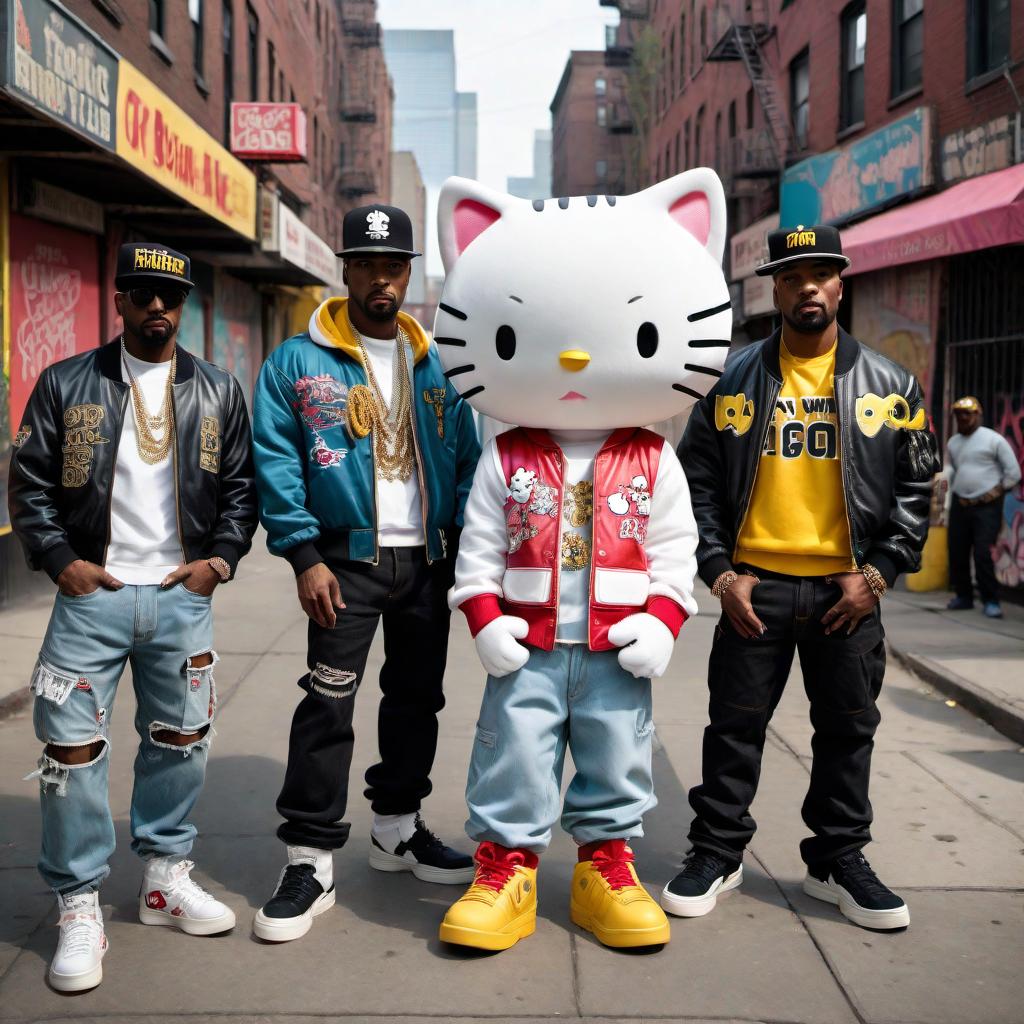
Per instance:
{"type": "Point", "coordinates": [608, 899]}
{"type": "Point", "coordinates": [500, 907]}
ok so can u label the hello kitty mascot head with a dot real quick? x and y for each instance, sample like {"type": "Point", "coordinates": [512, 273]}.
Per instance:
{"type": "Point", "coordinates": [578, 320]}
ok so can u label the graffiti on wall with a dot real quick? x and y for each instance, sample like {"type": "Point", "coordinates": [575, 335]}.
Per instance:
{"type": "Point", "coordinates": [979, 150]}
{"type": "Point", "coordinates": [1008, 553]}
{"type": "Point", "coordinates": [236, 330]}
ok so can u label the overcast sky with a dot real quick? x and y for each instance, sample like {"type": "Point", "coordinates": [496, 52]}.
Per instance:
{"type": "Point", "coordinates": [511, 53]}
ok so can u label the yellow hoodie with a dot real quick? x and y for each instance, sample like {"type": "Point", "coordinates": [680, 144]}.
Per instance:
{"type": "Point", "coordinates": [333, 329]}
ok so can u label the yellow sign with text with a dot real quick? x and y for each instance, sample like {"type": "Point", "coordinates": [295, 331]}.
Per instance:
{"type": "Point", "coordinates": [156, 136]}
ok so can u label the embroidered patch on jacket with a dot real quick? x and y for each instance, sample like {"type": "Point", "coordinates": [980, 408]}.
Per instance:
{"type": "Point", "coordinates": [323, 455]}
{"type": "Point", "coordinates": [734, 412]}
{"type": "Point", "coordinates": [22, 436]}
{"type": "Point", "coordinates": [632, 503]}
{"type": "Point", "coordinates": [874, 412]}
{"type": "Point", "coordinates": [434, 397]}
{"type": "Point", "coordinates": [81, 436]}
{"type": "Point", "coordinates": [321, 401]}
{"type": "Point", "coordinates": [209, 444]}
{"type": "Point", "coordinates": [529, 496]}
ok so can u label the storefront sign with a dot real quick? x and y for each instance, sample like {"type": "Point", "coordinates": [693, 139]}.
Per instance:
{"type": "Point", "coordinates": [38, 199]}
{"type": "Point", "coordinates": [56, 65]}
{"type": "Point", "coordinates": [757, 297]}
{"type": "Point", "coordinates": [268, 131]}
{"type": "Point", "coordinates": [284, 233]}
{"type": "Point", "coordinates": [980, 150]}
{"type": "Point", "coordinates": [748, 247]}
{"type": "Point", "coordinates": [885, 165]}
{"type": "Point", "coordinates": [158, 138]}
{"type": "Point", "coordinates": [55, 302]}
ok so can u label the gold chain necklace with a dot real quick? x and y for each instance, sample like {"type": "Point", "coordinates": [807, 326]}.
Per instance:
{"type": "Point", "coordinates": [391, 426]}
{"type": "Point", "coordinates": [151, 450]}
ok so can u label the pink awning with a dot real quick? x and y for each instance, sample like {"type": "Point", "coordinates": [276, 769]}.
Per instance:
{"type": "Point", "coordinates": [977, 214]}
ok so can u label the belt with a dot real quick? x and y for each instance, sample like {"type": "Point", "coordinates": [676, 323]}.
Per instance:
{"type": "Point", "coordinates": [985, 499]}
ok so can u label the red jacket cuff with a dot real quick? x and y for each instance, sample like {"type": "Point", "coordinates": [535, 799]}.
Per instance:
{"type": "Point", "coordinates": [480, 610]}
{"type": "Point", "coordinates": [671, 613]}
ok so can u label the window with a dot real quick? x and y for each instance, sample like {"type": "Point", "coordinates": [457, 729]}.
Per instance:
{"type": "Point", "coordinates": [907, 45]}
{"type": "Point", "coordinates": [698, 131]}
{"type": "Point", "coordinates": [319, 31]}
{"type": "Point", "coordinates": [703, 34]}
{"type": "Point", "coordinates": [800, 97]}
{"type": "Point", "coordinates": [600, 86]}
{"type": "Point", "coordinates": [610, 33]}
{"type": "Point", "coordinates": [281, 97]}
{"type": "Point", "coordinates": [602, 115]}
{"type": "Point", "coordinates": [988, 35]}
{"type": "Point", "coordinates": [718, 139]}
{"type": "Point", "coordinates": [670, 71]}
{"type": "Point", "coordinates": [195, 13]}
{"type": "Point", "coordinates": [271, 70]}
{"type": "Point", "coordinates": [750, 108]}
{"type": "Point", "coordinates": [254, 52]}
{"type": "Point", "coordinates": [686, 143]}
{"type": "Point", "coordinates": [228, 45]}
{"type": "Point", "coordinates": [682, 51]}
{"type": "Point", "coordinates": [679, 139]}
{"type": "Point", "coordinates": [156, 17]}
{"type": "Point", "coordinates": [732, 120]}
{"type": "Point", "coordinates": [315, 163]}
{"type": "Point", "coordinates": [853, 34]}
{"type": "Point", "coordinates": [668, 159]}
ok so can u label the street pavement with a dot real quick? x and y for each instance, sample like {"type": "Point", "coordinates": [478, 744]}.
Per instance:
{"type": "Point", "coordinates": [949, 835]}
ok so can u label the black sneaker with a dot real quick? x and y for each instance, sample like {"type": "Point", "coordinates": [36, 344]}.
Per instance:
{"type": "Point", "coordinates": [695, 890]}
{"type": "Point", "coordinates": [851, 884]}
{"type": "Point", "coordinates": [289, 913]}
{"type": "Point", "coordinates": [425, 856]}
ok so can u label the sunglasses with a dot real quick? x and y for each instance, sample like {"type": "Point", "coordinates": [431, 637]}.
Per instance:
{"type": "Point", "coordinates": [171, 298]}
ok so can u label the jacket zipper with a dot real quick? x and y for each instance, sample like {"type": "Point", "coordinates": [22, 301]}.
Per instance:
{"type": "Point", "coordinates": [557, 566]}
{"type": "Point", "coordinates": [593, 550]}
{"type": "Point", "coordinates": [173, 425]}
{"type": "Point", "coordinates": [775, 389]}
{"type": "Point", "coordinates": [843, 462]}
{"type": "Point", "coordinates": [113, 475]}
{"type": "Point", "coordinates": [373, 481]}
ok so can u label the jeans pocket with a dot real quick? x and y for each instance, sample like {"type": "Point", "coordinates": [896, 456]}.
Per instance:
{"type": "Point", "coordinates": [485, 748]}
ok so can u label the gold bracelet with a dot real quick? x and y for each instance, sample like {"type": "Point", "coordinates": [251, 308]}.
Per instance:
{"type": "Point", "coordinates": [220, 567]}
{"type": "Point", "coordinates": [723, 583]}
{"type": "Point", "coordinates": [875, 580]}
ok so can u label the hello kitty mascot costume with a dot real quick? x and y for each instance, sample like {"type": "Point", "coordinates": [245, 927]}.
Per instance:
{"type": "Point", "coordinates": [577, 319]}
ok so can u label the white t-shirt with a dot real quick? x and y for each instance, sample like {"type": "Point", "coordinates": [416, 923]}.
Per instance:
{"type": "Point", "coordinates": [144, 545]}
{"type": "Point", "coordinates": [579, 448]}
{"type": "Point", "coordinates": [399, 512]}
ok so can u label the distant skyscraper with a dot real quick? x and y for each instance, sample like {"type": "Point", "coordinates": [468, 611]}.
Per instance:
{"type": "Point", "coordinates": [408, 193]}
{"type": "Point", "coordinates": [431, 120]}
{"type": "Point", "coordinates": [538, 186]}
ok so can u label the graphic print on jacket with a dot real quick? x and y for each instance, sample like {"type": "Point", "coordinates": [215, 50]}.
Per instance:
{"type": "Point", "coordinates": [625, 293]}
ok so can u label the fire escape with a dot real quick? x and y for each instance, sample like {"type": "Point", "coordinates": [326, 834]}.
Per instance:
{"type": "Point", "coordinates": [740, 28]}
{"type": "Point", "coordinates": [358, 108]}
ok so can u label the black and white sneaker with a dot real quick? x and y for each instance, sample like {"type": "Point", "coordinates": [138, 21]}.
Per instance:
{"type": "Point", "coordinates": [850, 883]}
{"type": "Point", "coordinates": [422, 853]}
{"type": "Point", "coordinates": [289, 913]}
{"type": "Point", "coordinates": [705, 876]}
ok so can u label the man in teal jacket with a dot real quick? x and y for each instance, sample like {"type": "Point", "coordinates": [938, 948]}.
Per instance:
{"type": "Point", "coordinates": [364, 459]}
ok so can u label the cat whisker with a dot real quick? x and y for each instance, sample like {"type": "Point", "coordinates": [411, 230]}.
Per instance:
{"type": "Point", "coordinates": [460, 342]}
{"type": "Point", "coordinates": [452, 311]}
{"type": "Point", "coordinates": [703, 314]}
{"type": "Point", "coordinates": [685, 390]}
{"type": "Point", "coordinates": [473, 391]}
{"type": "Point", "coordinates": [697, 368]}
{"type": "Point", "coordinates": [708, 343]}
{"type": "Point", "coordinates": [456, 370]}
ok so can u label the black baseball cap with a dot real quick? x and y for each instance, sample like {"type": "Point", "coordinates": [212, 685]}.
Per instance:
{"type": "Point", "coordinates": [787, 245]}
{"type": "Point", "coordinates": [377, 229]}
{"type": "Point", "coordinates": [140, 263]}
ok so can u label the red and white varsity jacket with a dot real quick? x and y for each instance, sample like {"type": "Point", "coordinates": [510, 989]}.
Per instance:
{"type": "Point", "coordinates": [643, 547]}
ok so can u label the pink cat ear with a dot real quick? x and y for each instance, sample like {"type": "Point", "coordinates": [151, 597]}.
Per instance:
{"type": "Point", "coordinates": [693, 213]}
{"type": "Point", "coordinates": [471, 219]}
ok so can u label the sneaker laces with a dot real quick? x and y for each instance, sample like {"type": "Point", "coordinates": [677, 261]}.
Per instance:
{"type": "Point", "coordinates": [427, 837]}
{"type": "Point", "coordinates": [704, 865]}
{"type": "Point", "coordinates": [80, 932]}
{"type": "Point", "coordinates": [612, 860]}
{"type": "Point", "coordinates": [298, 884]}
{"type": "Point", "coordinates": [856, 869]}
{"type": "Point", "coordinates": [188, 892]}
{"type": "Point", "coordinates": [493, 871]}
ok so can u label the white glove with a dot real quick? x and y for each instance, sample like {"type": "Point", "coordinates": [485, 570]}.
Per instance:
{"type": "Point", "coordinates": [497, 648]}
{"type": "Point", "coordinates": [646, 644]}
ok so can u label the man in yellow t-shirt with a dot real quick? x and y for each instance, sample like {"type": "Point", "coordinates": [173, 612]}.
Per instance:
{"type": "Point", "coordinates": [809, 466]}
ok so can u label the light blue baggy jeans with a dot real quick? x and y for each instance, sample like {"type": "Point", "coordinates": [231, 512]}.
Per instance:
{"type": "Point", "coordinates": [87, 643]}
{"type": "Point", "coordinates": [569, 697]}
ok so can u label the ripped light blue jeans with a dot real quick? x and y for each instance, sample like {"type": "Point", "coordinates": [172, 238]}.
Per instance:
{"type": "Point", "coordinates": [569, 697]}
{"type": "Point", "coordinates": [88, 642]}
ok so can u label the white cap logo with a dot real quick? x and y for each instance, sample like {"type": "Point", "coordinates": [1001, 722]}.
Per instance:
{"type": "Point", "coordinates": [378, 221]}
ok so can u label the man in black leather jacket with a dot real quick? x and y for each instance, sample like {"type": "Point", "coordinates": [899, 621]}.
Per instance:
{"type": "Point", "coordinates": [810, 467]}
{"type": "Point", "coordinates": [132, 486]}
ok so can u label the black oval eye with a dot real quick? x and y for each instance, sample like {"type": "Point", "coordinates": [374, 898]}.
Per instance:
{"type": "Point", "coordinates": [505, 342]}
{"type": "Point", "coordinates": [647, 340]}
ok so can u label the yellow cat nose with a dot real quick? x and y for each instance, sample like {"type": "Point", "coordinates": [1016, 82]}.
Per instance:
{"type": "Point", "coordinates": [574, 359]}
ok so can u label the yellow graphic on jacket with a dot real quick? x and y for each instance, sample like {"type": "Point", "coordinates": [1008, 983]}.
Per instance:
{"type": "Point", "coordinates": [893, 412]}
{"type": "Point", "coordinates": [796, 521]}
{"type": "Point", "coordinates": [733, 412]}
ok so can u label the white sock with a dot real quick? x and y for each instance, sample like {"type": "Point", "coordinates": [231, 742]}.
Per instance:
{"type": "Point", "coordinates": [392, 829]}
{"type": "Point", "coordinates": [322, 861]}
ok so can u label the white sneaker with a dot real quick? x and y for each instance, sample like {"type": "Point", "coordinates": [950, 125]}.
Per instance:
{"type": "Point", "coordinates": [78, 963]}
{"type": "Point", "coordinates": [170, 897]}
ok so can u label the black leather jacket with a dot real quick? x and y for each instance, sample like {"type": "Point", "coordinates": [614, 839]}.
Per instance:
{"type": "Point", "coordinates": [63, 462]}
{"type": "Point", "coordinates": [887, 462]}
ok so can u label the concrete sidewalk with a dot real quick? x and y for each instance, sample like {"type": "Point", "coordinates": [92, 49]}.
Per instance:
{"type": "Point", "coordinates": [949, 833]}
{"type": "Point", "coordinates": [975, 661]}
